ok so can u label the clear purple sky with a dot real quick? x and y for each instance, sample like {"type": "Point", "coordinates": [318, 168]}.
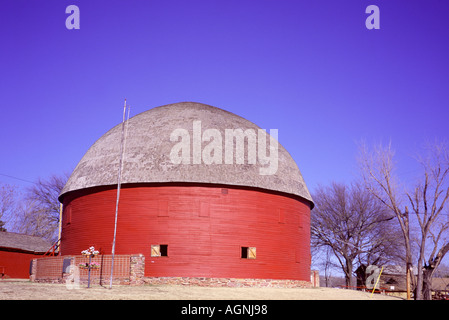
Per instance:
{"type": "Point", "coordinates": [310, 69]}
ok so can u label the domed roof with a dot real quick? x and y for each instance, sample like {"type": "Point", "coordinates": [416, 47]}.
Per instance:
{"type": "Point", "coordinates": [153, 149]}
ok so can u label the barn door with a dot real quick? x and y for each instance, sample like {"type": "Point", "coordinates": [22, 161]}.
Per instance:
{"type": "Point", "coordinates": [251, 252]}
{"type": "Point", "coordinates": [155, 250]}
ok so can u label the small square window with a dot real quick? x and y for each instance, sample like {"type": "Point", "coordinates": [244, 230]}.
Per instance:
{"type": "Point", "coordinates": [244, 254]}
{"type": "Point", "coordinates": [164, 250]}
{"type": "Point", "coordinates": [155, 250]}
{"type": "Point", "coordinates": [248, 253]}
{"type": "Point", "coordinates": [159, 250]}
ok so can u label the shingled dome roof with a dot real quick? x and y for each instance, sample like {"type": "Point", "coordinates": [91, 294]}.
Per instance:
{"type": "Point", "coordinates": [147, 154]}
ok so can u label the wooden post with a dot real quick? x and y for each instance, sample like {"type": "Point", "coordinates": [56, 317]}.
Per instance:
{"type": "Point", "coordinates": [377, 281]}
{"type": "Point", "coordinates": [408, 282]}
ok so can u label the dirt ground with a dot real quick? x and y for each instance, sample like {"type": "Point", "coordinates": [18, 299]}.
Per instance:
{"type": "Point", "coordinates": [26, 290]}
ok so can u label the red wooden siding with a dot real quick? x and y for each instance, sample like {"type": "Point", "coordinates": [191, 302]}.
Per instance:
{"type": "Point", "coordinates": [16, 264]}
{"type": "Point", "coordinates": [203, 227]}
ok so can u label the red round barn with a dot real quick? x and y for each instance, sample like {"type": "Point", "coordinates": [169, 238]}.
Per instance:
{"type": "Point", "coordinates": [204, 193]}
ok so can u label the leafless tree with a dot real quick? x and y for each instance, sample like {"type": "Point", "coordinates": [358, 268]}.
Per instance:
{"type": "Point", "coordinates": [323, 258]}
{"type": "Point", "coordinates": [350, 222]}
{"type": "Point", "coordinates": [38, 213]}
{"type": "Point", "coordinates": [442, 271]}
{"type": "Point", "coordinates": [34, 220]}
{"type": "Point", "coordinates": [377, 170]}
{"type": "Point", "coordinates": [428, 200]}
{"type": "Point", "coordinates": [8, 194]}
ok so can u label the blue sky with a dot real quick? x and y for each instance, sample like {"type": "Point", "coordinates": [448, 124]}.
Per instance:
{"type": "Point", "coordinates": [310, 69]}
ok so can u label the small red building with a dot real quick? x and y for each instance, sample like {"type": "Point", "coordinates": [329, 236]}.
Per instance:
{"type": "Point", "coordinates": [16, 252]}
{"type": "Point", "coordinates": [191, 208]}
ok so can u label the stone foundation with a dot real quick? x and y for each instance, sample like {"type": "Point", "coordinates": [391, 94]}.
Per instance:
{"type": "Point", "coordinates": [228, 282]}
{"type": "Point", "coordinates": [137, 270]}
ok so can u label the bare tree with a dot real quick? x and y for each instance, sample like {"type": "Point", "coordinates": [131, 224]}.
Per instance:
{"type": "Point", "coordinates": [34, 220]}
{"type": "Point", "coordinates": [7, 204]}
{"type": "Point", "coordinates": [39, 210]}
{"type": "Point", "coordinates": [442, 271]}
{"type": "Point", "coordinates": [349, 221]}
{"type": "Point", "coordinates": [377, 170]}
{"type": "Point", "coordinates": [325, 261]}
{"type": "Point", "coordinates": [427, 200]}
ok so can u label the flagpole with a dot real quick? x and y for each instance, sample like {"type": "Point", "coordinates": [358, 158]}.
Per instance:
{"type": "Point", "coordinates": [118, 190]}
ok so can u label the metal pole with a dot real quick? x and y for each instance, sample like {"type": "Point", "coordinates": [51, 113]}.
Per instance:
{"type": "Point", "coordinates": [118, 192]}
{"type": "Point", "coordinates": [88, 270]}
{"type": "Point", "coordinates": [60, 226]}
